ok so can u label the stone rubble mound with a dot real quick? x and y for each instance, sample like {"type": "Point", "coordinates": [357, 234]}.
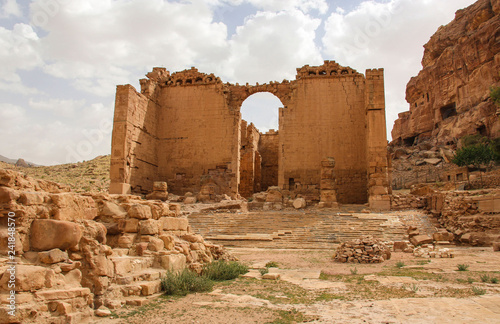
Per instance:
{"type": "Point", "coordinates": [80, 255]}
{"type": "Point", "coordinates": [365, 250]}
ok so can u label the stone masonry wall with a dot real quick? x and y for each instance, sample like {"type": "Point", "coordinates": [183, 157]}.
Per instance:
{"type": "Point", "coordinates": [196, 132]}
{"type": "Point", "coordinates": [134, 160]}
{"type": "Point", "coordinates": [268, 148]}
{"type": "Point", "coordinates": [307, 136]}
{"type": "Point", "coordinates": [330, 111]}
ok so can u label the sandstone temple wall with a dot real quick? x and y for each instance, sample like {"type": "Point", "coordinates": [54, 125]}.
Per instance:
{"type": "Point", "coordinates": [186, 129]}
{"type": "Point", "coordinates": [134, 158]}
{"type": "Point", "coordinates": [268, 148]}
{"type": "Point", "coordinates": [326, 118]}
{"type": "Point", "coordinates": [197, 135]}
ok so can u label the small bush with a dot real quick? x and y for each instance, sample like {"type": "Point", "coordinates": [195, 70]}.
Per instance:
{"type": "Point", "coordinates": [263, 271]}
{"type": "Point", "coordinates": [223, 270]}
{"type": "Point", "coordinates": [462, 267]}
{"type": "Point", "coordinates": [272, 264]}
{"type": "Point", "coordinates": [354, 271]}
{"type": "Point", "coordinates": [485, 278]}
{"type": "Point", "coordinates": [182, 283]}
{"type": "Point", "coordinates": [494, 280]}
{"type": "Point", "coordinates": [400, 264]}
{"type": "Point", "coordinates": [478, 291]}
{"type": "Point", "coordinates": [470, 280]}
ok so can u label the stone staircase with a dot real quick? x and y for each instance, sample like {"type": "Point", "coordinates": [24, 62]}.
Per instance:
{"type": "Point", "coordinates": [135, 280]}
{"type": "Point", "coordinates": [319, 229]}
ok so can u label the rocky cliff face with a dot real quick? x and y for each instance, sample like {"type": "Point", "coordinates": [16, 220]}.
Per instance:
{"type": "Point", "coordinates": [450, 96]}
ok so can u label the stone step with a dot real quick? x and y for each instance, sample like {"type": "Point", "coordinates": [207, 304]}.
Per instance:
{"type": "Point", "coordinates": [136, 289]}
{"type": "Point", "coordinates": [140, 276]}
{"type": "Point", "coordinates": [310, 229]}
{"type": "Point", "coordinates": [129, 264]}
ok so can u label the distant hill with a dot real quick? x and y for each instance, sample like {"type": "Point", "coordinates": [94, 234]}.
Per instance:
{"type": "Point", "coordinates": [7, 160]}
{"type": "Point", "coordinates": [88, 176]}
{"type": "Point", "coordinates": [14, 161]}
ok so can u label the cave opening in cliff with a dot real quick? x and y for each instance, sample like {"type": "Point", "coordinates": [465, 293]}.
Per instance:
{"type": "Point", "coordinates": [449, 111]}
{"type": "Point", "coordinates": [409, 141]}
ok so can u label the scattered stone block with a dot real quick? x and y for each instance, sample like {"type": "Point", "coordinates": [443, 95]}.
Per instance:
{"type": "Point", "coordinates": [103, 311]}
{"type": "Point", "coordinates": [299, 203]}
{"type": "Point", "coordinates": [400, 246]}
{"type": "Point", "coordinates": [271, 276]}
{"type": "Point", "coordinates": [421, 239]}
{"type": "Point", "coordinates": [52, 256]}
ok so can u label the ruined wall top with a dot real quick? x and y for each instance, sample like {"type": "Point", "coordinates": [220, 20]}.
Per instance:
{"type": "Point", "coordinates": [193, 77]}
{"type": "Point", "coordinates": [329, 68]}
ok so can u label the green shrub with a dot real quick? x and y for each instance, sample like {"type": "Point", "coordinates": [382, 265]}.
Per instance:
{"type": "Point", "coordinates": [495, 94]}
{"type": "Point", "coordinates": [478, 291]}
{"type": "Point", "coordinates": [462, 267]}
{"type": "Point", "coordinates": [223, 270]}
{"type": "Point", "coordinates": [354, 271]}
{"type": "Point", "coordinates": [272, 264]}
{"type": "Point", "coordinates": [494, 280]}
{"type": "Point", "coordinates": [470, 280]}
{"type": "Point", "coordinates": [263, 271]}
{"type": "Point", "coordinates": [400, 264]}
{"type": "Point", "coordinates": [485, 278]}
{"type": "Point", "coordinates": [184, 282]}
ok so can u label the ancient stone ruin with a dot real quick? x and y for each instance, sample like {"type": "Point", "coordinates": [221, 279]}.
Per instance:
{"type": "Point", "coordinates": [185, 129]}
{"type": "Point", "coordinates": [75, 253]}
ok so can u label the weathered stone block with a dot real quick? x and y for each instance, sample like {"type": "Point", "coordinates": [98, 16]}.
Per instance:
{"type": "Point", "coordinates": [156, 245]}
{"type": "Point", "coordinates": [26, 277]}
{"type": "Point", "coordinates": [130, 225]}
{"type": "Point", "coordinates": [400, 246]}
{"type": "Point", "coordinates": [148, 227]}
{"type": "Point", "coordinates": [140, 211]}
{"type": "Point", "coordinates": [193, 238]}
{"type": "Point", "coordinates": [150, 288]}
{"type": "Point", "coordinates": [52, 256]}
{"type": "Point", "coordinates": [48, 234]}
{"type": "Point", "coordinates": [169, 241]}
{"type": "Point", "coordinates": [173, 262]}
{"type": "Point", "coordinates": [175, 223]}
{"type": "Point", "coordinates": [421, 239]}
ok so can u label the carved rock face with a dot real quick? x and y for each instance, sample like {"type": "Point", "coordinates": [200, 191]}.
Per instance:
{"type": "Point", "coordinates": [449, 97]}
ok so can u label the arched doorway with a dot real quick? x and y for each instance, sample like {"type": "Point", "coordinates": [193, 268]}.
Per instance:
{"type": "Point", "coordinates": [259, 143]}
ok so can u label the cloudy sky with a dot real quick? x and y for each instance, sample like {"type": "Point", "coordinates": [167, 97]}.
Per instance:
{"type": "Point", "coordinates": [60, 60]}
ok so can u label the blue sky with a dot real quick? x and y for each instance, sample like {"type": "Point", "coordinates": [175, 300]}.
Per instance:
{"type": "Point", "coordinates": [60, 60]}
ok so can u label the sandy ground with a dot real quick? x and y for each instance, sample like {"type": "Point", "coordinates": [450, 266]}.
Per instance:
{"type": "Point", "coordinates": [364, 293]}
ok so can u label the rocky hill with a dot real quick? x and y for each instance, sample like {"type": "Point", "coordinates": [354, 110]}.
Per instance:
{"type": "Point", "coordinates": [88, 176]}
{"type": "Point", "coordinates": [450, 97]}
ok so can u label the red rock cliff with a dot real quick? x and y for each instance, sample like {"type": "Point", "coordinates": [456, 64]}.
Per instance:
{"type": "Point", "coordinates": [450, 96]}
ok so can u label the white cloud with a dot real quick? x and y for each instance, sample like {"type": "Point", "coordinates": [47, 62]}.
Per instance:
{"type": "Point", "coordinates": [19, 50]}
{"type": "Point", "coordinates": [389, 35]}
{"type": "Point", "coordinates": [10, 8]}
{"type": "Point", "coordinates": [58, 107]}
{"type": "Point", "coordinates": [270, 46]}
{"type": "Point", "coordinates": [10, 115]}
{"type": "Point", "coordinates": [82, 45]}
{"type": "Point", "coordinates": [304, 5]}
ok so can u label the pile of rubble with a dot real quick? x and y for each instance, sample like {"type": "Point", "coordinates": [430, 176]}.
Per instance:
{"type": "Point", "coordinates": [365, 250]}
{"type": "Point", "coordinates": [78, 253]}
